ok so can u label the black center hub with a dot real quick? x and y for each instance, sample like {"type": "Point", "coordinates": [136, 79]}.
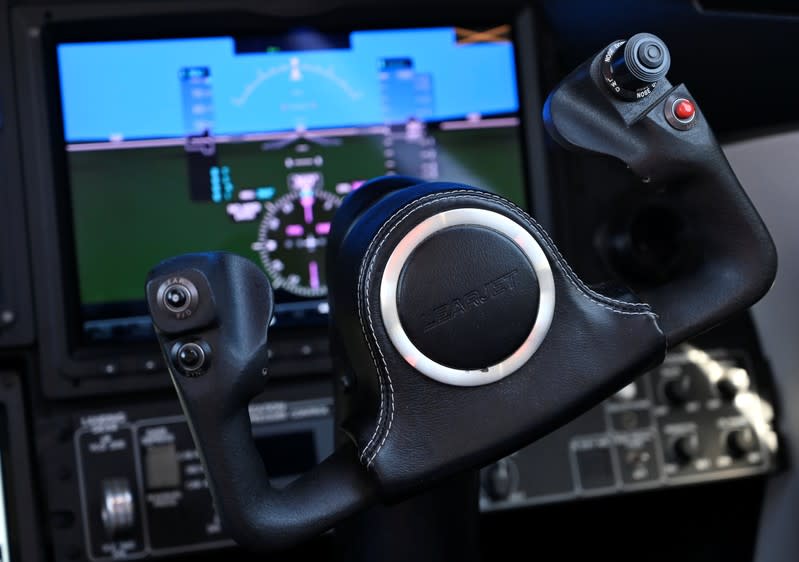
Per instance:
{"type": "Point", "coordinates": [468, 297]}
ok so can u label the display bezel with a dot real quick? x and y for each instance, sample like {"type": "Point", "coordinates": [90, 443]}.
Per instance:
{"type": "Point", "coordinates": [64, 189]}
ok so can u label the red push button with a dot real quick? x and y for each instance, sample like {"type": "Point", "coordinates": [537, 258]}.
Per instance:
{"type": "Point", "coordinates": [684, 109]}
{"type": "Point", "coordinates": [680, 112]}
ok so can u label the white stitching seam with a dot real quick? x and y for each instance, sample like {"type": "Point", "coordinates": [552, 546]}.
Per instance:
{"type": "Point", "coordinates": [366, 272]}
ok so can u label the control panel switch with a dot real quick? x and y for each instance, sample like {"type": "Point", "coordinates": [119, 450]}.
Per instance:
{"type": "Point", "coordinates": [117, 512]}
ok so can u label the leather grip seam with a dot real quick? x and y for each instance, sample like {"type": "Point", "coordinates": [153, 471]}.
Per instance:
{"type": "Point", "coordinates": [385, 419]}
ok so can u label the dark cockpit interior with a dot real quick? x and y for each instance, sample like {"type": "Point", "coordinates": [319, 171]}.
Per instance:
{"type": "Point", "coordinates": [364, 280]}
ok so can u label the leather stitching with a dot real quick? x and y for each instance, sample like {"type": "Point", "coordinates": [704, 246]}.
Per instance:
{"type": "Point", "coordinates": [641, 308]}
{"type": "Point", "coordinates": [617, 306]}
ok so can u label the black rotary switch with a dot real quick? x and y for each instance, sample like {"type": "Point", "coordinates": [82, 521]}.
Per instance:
{"type": "Point", "coordinates": [632, 68]}
{"type": "Point", "coordinates": [741, 442]}
{"type": "Point", "coordinates": [686, 448]}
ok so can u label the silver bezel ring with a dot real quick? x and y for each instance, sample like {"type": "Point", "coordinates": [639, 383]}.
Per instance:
{"type": "Point", "coordinates": [396, 262]}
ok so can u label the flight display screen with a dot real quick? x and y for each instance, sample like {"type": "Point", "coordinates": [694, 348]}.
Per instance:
{"type": "Point", "coordinates": [250, 144]}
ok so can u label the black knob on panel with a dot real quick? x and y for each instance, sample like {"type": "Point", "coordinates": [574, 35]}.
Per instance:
{"type": "Point", "coordinates": [686, 448]}
{"type": "Point", "coordinates": [680, 390]}
{"type": "Point", "coordinates": [741, 442]}
{"type": "Point", "coordinates": [633, 71]}
{"type": "Point", "coordinates": [727, 388]}
{"type": "Point", "coordinates": [498, 481]}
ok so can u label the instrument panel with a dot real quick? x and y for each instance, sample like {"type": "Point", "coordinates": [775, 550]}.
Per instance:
{"type": "Point", "coordinates": [138, 477]}
{"type": "Point", "coordinates": [699, 417]}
